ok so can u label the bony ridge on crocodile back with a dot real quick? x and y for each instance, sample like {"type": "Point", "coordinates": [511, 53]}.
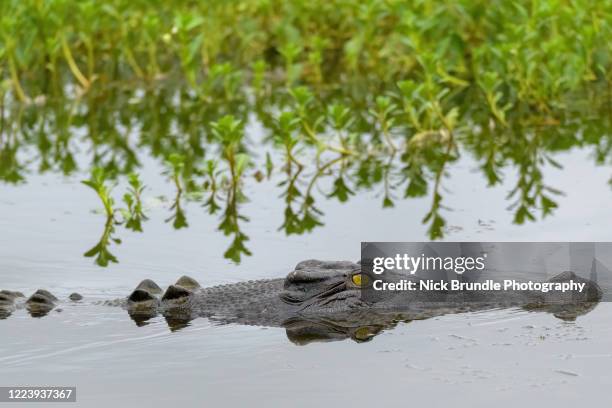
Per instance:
{"type": "Point", "coordinates": [317, 301]}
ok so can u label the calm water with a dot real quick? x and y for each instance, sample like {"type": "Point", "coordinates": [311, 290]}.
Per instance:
{"type": "Point", "coordinates": [505, 357]}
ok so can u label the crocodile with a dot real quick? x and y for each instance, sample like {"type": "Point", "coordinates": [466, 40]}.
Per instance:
{"type": "Point", "coordinates": [317, 301]}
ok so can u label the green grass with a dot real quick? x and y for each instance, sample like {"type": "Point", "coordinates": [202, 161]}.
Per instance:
{"type": "Point", "coordinates": [513, 52]}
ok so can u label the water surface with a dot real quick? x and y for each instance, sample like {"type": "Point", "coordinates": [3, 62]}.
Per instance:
{"type": "Point", "coordinates": [481, 358]}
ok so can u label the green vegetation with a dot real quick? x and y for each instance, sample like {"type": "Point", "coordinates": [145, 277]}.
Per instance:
{"type": "Point", "coordinates": [513, 53]}
{"type": "Point", "coordinates": [133, 215]}
{"type": "Point", "coordinates": [370, 95]}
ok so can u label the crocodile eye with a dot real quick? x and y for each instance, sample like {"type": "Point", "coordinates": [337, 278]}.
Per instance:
{"type": "Point", "coordinates": [363, 334]}
{"type": "Point", "coordinates": [359, 279]}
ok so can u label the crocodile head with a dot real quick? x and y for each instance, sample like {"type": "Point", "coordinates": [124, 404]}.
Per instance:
{"type": "Point", "coordinates": [324, 287]}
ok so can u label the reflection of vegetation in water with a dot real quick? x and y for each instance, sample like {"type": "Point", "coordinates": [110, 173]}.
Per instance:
{"type": "Point", "coordinates": [176, 162]}
{"type": "Point", "coordinates": [352, 96]}
{"type": "Point", "coordinates": [133, 215]}
{"type": "Point", "coordinates": [229, 133]}
{"type": "Point", "coordinates": [97, 182]}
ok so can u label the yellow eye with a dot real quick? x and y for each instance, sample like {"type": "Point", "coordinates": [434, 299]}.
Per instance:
{"type": "Point", "coordinates": [359, 279]}
{"type": "Point", "coordinates": [363, 333]}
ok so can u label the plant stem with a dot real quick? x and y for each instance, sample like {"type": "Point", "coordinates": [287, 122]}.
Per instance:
{"type": "Point", "coordinates": [73, 66]}
{"type": "Point", "coordinates": [21, 95]}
